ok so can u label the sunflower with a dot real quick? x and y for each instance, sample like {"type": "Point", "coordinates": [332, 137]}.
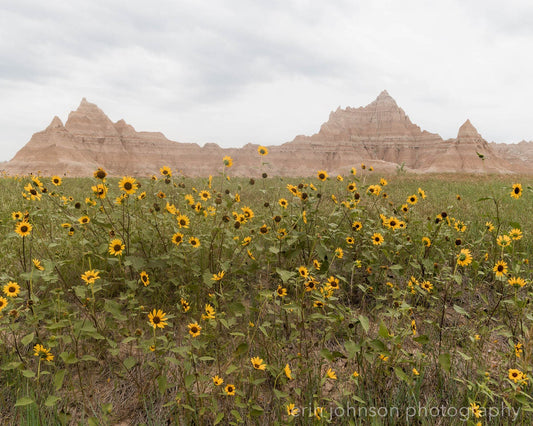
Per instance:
{"type": "Point", "coordinates": [183, 221]}
{"type": "Point", "coordinates": [515, 234]}
{"type": "Point", "coordinates": [330, 374]}
{"type": "Point", "coordinates": [374, 189]}
{"type": "Point", "coordinates": [404, 208]}
{"type": "Point", "coordinates": [195, 242]}
{"type": "Point", "coordinates": [288, 372]}
{"type": "Point", "coordinates": [229, 389]}
{"type": "Point", "coordinates": [217, 381]}
{"type": "Point", "coordinates": [99, 190]}
{"type": "Point", "coordinates": [33, 194]}
{"type": "Point", "coordinates": [282, 233]}
{"type": "Point", "coordinates": [116, 247]}
{"type": "Point", "coordinates": [100, 173]}
{"type": "Point", "coordinates": [246, 241]}
{"type": "Point", "coordinates": [282, 292]}
{"type": "Point", "coordinates": [17, 215]}
{"type": "Point", "coordinates": [11, 289]}
{"type": "Point", "coordinates": [316, 264]}
{"type": "Point", "coordinates": [318, 304]}
{"type": "Point", "coordinates": [340, 178]}
{"type": "Point", "coordinates": [426, 241]}
{"type": "Point", "coordinates": [517, 191]}
{"type": "Point", "coordinates": [3, 303]}
{"type": "Point", "coordinates": [262, 150]}
{"type": "Point", "coordinates": [23, 228]}
{"type": "Point", "coordinates": [464, 258]}
{"type": "Point", "coordinates": [339, 253]}
{"type": "Point", "coordinates": [218, 276]}
{"type": "Point", "coordinates": [128, 184]}
{"type": "Point", "coordinates": [161, 195]}
{"type": "Point", "coordinates": [518, 281]}
{"type": "Point", "coordinates": [503, 240]}
{"type": "Point", "coordinates": [177, 238]}
{"type": "Point", "coordinates": [357, 226]}
{"type": "Point", "coordinates": [37, 264]}
{"type": "Point", "coordinates": [460, 226]}
{"type": "Point", "coordinates": [228, 162]}
{"type": "Point", "coordinates": [515, 375]}
{"type": "Point", "coordinates": [84, 220]}
{"type": "Point", "coordinates": [283, 203]}
{"type": "Point", "coordinates": [205, 195]}
{"type": "Point", "coordinates": [322, 175]}
{"type": "Point", "coordinates": [157, 319]}
{"type": "Point", "coordinates": [209, 312]}
{"type": "Point", "coordinates": [43, 353]}
{"type": "Point", "coordinates": [165, 171]}
{"type": "Point", "coordinates": [500, 268]}
{"type": "Point", "coordinates": [350, 241]}
{"type": "Point", "coordinates": [333, 282]}
{"type": "Point", "coordinates": [412, 199]}
{"type": "Point", "coordinates": [194, 329]}
{"type": "Point", "coordinates": [310, 284]}
{"type": "Point", "coordinates": [263, 229]}
{"type": "Point", "coordinates": [302, 270]}
{"type": "Point", "coordinates": [247, 212]}
{"type": "Point", "coordinates": [377, 239]}
{"type": "Point", "coordinates": [426, 285]}
{"type": "Point", "coordinates": [258, 363]}
{"type": "Point", "coordinates": [184, 305]}
{"type": "Point", "coordinates": [352, 187]}
{"type": "Point", "coordinates": [56, 180]}
{"type": "Point", "coordinates": [90, 276]}
{"type": "Point", "coordinates": [144, 278]}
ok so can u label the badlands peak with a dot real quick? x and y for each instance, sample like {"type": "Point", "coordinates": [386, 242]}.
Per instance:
{"type": "Point", "coordinates": [467, 130]}
{"type": "Point", "coordinates": [89, 120]}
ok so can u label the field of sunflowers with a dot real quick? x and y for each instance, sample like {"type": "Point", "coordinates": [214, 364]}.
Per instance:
{"type": "Point", "coordinates": [355, 299]}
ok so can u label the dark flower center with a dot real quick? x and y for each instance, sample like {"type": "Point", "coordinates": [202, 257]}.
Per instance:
{"type": "Point", "coordinates": [117, 247]}
{"type": "Point", "coordinates": [156, 320]}
{"type": "Point", "coordinates": [12, 290]}
{"type": "Point", "coordinates": [24, 228]}
{"type": "Point", "coordinates": [127, 186]}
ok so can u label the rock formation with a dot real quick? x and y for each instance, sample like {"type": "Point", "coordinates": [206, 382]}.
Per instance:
{"type": "Point", "coordinates": [379, 134]}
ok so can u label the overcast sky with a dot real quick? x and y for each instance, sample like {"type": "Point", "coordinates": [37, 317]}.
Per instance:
{"type": "Point", "coordinates": [239, 71]}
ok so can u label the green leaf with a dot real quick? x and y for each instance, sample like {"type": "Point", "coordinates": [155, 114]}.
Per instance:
{"type": "Point", "coordinates": [58, 379]}
{"type": "Point", "coordinates": [445, 362]}
{"type": "Point", "coordinates": [279, 394]}
{"type": "Point", "coordinates": [383, 332]}
{"type": "Point", "coordinates": [51, 400]}
{"type": "Point", "coordinates": [26, 340]}
{"type": "Point", "coordinates": [129, 362]}
{"type": "Point", "coordinates": [25, 400]}
{"type": "Point", "coordinates": [241, 349]}
{"type": "Point", "coordinates": [401, 375]}
{"type": "Point", "coordinates": [236, 415]}
{"type": "Point", "coordinates": [365, 323]}
{"type": "Point", "coordinates": [285, 275]}
{"type": "Point", "coordinates": [218, 418]}
{"type": "Point", "coordinates": [162, 384]}
{"type": "Point", "coordinates": [460, 310]}
{"type": "Point", "coordinates": [351, 348]}
{"type": "Point", "coordinates": [422, 339]}
{"type": "Point", "coordinates": [28, 373]}
{"type": "Point", "coordinates": [189, 380]}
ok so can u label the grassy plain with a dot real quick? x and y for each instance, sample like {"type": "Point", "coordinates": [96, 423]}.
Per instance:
{"type": "Point", "coordinates": [274, 301]}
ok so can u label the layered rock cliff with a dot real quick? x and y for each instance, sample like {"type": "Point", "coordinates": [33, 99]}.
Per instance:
{"type": "Point", "coordinates": [379, 134]}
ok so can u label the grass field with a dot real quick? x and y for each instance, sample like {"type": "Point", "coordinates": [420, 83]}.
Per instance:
{"type": "Point", "coordinates": [361, 299]}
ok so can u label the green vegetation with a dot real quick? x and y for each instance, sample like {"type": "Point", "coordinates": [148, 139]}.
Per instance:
{"type": "Point", "coordinates": [349, 300]}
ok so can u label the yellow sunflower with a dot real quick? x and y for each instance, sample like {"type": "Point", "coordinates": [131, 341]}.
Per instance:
{"type": "Point", "coordinates": [128, 184]}
{"type": "Point", "coordinates": [99, 190]}
{"type": "Point", "coordinates": [144, 278]}
{"type": "Point", "coordinates": [165, 171]}
{"type": "Point", "coordinates": [3, 303]}
{"type": "Point", "coordinates": [464, 258]}
{"type": "Point", "coordinates": [195, 242]}
{"type": "Point", "coordinates": [500, 269]}
{"type": "Point", "coordinates": [43, 353]}
{"type": "Point", "coordinates": [116, 247]}
{"type": "Point", "coordinates": [84, 220]}
{"type": "Point", "coordinates": [56, 180]}
{"type": "Point", "coordinates": [258, 363]}
{"type": "Point", "coordinates": [228, 161]}
{"type": "Point", "coordinates": [262, 150]}
{"type": "Point", "coordinates": [516, 191]}
{"type": "Point", "coordinates": [100, 173]}
{"type": "Point", "coordinates": [23, 228]}
{"type": "Point", "coordinates": [322, 175]}
{"type": "Point", "coordinates": [183, 221]}
{"type": "Point", "coordinates": [90, 276]}
{"type": "Point", "coordinates": [11, 289]}
{"type": "Point", "coordinates": [177, 238]}
{"type": "Point", "coordinates": [229, 389]}
{"type": "Point", "coordinates": [194, 329]}
{"type": "Point", "coordinates": [217, 381]}
{"type": "Point", "coordinates": [377, 239]}
{"type": "Point", "coordinates": [157, 318]}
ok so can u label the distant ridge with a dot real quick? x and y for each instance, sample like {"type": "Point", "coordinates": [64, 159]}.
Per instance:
{"type": "Point", "coordinates": [379, 134]}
